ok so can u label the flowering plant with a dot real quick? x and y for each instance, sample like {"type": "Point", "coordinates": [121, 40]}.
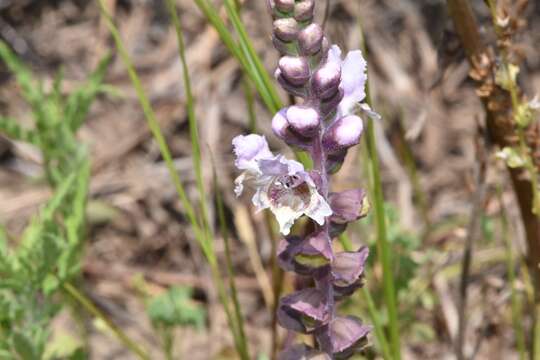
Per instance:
{"type": "Point", "coordinates": [325, 125]}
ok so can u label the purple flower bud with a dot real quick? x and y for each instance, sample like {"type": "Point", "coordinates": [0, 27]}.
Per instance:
{"type": "Point", "coordinates": [286, 29]}
{"type": "Point", "coordinates": [326, 80]}
{"type": "Point", "coordinates": [348, 271]}
{"type": "Point", "coordinates": [302, 352]}
{"type": "Point", "coordinates": [284, 5]}
{"type": "Point", "coordinates": [284, 47]}
{"type": "Point", "coordinates": [304, 120]}
{"type": "Point", "coordinates": [310, 39]}
{"type": "Point", "coordinates": [282, 130]}
{"type": "Point", "coordinates": [303, 311]}
{"type": "Point", "coordinates": [348, 206]}
{"type": "Point", "coordinates": [343, 133]}
{"type": "Point", "coordinates": [330, 105]}
{"type": "Point", "coordinates": [290, 88]}
{"type": "Point", "coordinates": [305, 256]}
{"type": "Point", "coordinates": [294, 69]}
{"type": "Point", "coordinates": [303, 10]}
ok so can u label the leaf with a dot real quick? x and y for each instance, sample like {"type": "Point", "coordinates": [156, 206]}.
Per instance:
{"type": "Point", "coordinates": [24, 347]}
{"type": "Point", "coordinates": [79, 102]}
{"type": "Point", "coordinates": [14, 131]}
{"type": "Point", "coordinates": [31, 91]}
{"type": "Point", "coordinates": [175, 308]}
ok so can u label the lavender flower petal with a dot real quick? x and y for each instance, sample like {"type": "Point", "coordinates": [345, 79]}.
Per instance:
{"type": "Point", "coordinates": [303, 311]}
{"type": "Point", "coordinates": [348, 205]}
{"type": "Point", "coordinates": [348, 335]}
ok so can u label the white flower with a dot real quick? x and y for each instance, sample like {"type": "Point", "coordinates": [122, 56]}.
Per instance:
{"type": "Point", "coordinates": [280, 184]}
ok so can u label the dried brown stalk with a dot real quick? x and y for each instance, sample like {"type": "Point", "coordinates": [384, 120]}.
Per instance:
{"type": "Point", "coordinates": [500, 123]}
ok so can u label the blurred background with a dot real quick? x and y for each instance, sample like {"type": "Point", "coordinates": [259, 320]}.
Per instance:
{"type": "Point", "coordinates": [139, 242]}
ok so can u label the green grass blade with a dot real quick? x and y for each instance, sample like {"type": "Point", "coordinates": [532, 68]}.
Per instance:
{"type": "Point", "coordinates": [250, 53]}
{"type": "Point", "coordinates": [204, 241]}
{"type": "Point", "coordinates": [238, 331]}
{"type": "Point", "coordinates": [234, 48]}
{"type": "Point", "coordinates": [190, 103]}
{"type": "Point", "coordinates": [230, 270]}
{"type": "Point", "coordinates": [383, 246]}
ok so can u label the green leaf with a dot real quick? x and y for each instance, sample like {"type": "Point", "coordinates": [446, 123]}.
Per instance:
{"type": "Point", "coordinates": [31, 90]}
{"type": "Point", "coordinates": [14, 131]}
{"type": "Point", "coordinates": [79, 102]}
{"type": "Point", "coordinates": [175, 308]}
{"type": "Point", "coordinates": [24, 347]}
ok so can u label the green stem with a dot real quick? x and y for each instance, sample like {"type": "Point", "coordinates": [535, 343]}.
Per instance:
{"type": "Point", "coordinates": [190, 103]}
{"type": "Point", "coordinates": [202, 236]}
{"type": "Point", "coordinates": [383, 246]}
{"type": "Point", "coordinates": [230, 270]}
{"type": "Point", "coordinates": [517, 314]}
{"type": "Point", "coordinates": [92, 309]}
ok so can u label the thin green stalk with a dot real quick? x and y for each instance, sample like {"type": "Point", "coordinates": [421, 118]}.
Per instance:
{"type": "Point", "coordinates": [517, 313]}
{"type": "Point", "coordinates": [250, 101]}
{"type": "Point", "coordinates": [249, 51]}
{"type": "Point", "coordinates": [92, 309]}
{"type": "Point", "coordinates": [383, 246]}
{"type": "Point", "coordinates": [265, 90]}
{"type": "Point", "coordinates": [228, 260]}
{"type": "Point", "coordinates": [192, 120]}
{"type": "Point", "coordinates": [372, 310]}
{"type": "Point", "coordinates": [201, 235]}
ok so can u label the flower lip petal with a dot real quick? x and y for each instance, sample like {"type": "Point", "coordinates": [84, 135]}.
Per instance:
{"type": "Point", "coordinates": [348, 335]}
{"type": "Point", "coordinates": [305, 256]}
{"type": "Point", "coordinates": [303, 311]}
{"type": "Point", "coordinates": [348, 272]}
{"type": "Point", "coordinates": [349, 205]}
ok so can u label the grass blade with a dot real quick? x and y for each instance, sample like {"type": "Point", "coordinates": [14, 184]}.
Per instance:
{"type": "Point", "coordinates": [383, 246]}
{"type": "Point", "coordinates": [238, 330]}
{"type": "Point", "coordinates": [202, 237]}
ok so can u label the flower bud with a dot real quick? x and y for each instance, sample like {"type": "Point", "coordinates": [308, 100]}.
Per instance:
{"type": "Point", "coordinates": [284, 48]}
{"type": "Point", "coordinates": [348, 205]}
{"type": "Point", "coordinates": [310, 39]}
{"type": "Point", "coordinates": [304, 120]}
{"type": "Point", "coordinates": [284, 5]}
{"type": "Point", "coordinates": [326, 80]}
{"type": "Point", "coordinates": [286, 29]}
{"type": "Point", "coordinates": [303, 311]}
{"type": "Point", "coordinates": [294, 69]}
{"type": "Point", "coordinates": [348, 335]}
{"type": "Point", "coordinates": [328, 106]}
{"type": "Point", "coordinates": [343, 133]}
{"type": "Point", "coordinates": [281, 128]}
{"type": "Point", "coordinates": [290, 88]}
{"type": "Point", "coordinates": [303, 10]}
{"type": "Point", "coordinates": [348, 272]}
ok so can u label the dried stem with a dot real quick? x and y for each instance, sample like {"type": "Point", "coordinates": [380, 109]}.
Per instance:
{"type": "Point", "coordinates": [500, 128]}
